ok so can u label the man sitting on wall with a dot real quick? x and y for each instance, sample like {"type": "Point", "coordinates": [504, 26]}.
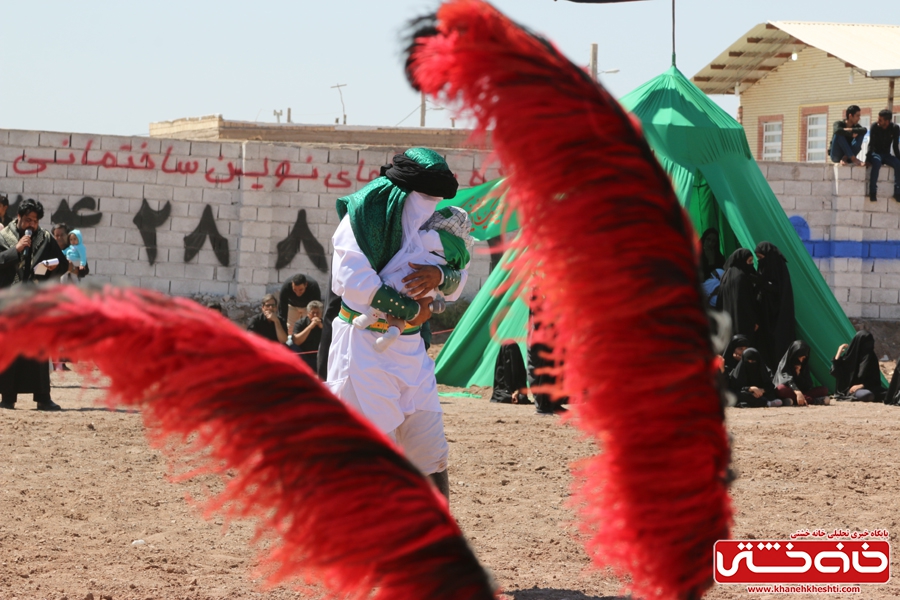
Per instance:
{"type": "Point", "coordinates": [847, 139]}
{"type": "Point", "coordinates": [884, 135]}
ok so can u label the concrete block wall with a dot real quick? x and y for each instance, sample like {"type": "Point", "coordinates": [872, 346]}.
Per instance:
{"type": "Point", "coordinates": [854, 242]}
{"type": "Point", "coordinates": [254, 192]}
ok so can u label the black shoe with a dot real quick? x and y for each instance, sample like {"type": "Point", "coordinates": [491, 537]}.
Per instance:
{"type": "Point", "coordinates": [8, 405]}
{"type": "Point", "coordinates": [48, 405]}
{"type": "Point", "coordinates": [555, 409]}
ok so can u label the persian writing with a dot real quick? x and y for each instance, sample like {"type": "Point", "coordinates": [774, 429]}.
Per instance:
{"type": "Point", "coordinates": [224, 173]}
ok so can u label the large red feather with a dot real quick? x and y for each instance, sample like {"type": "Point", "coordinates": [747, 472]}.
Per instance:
{"type": "Point", "coordinates": [342, 507]}
{"type": "Point", "coordinates": [615, 257]}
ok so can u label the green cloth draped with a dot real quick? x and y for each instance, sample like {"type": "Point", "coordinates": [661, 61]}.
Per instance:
{"type": "Point", "coordinates": [376, 211]}
{"type": "Point", "coordinates": [455, 252]}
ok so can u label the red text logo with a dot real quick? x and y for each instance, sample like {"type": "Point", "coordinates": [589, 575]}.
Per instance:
{"type": "Point", "coordinates": [798, 561]}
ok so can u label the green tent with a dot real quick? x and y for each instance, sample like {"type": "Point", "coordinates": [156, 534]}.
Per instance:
{"type": "Point", "coordinates": [716, 179]}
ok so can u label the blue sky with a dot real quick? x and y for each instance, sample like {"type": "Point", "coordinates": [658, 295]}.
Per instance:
{"type": "Point", "coordinates": [113, 67]}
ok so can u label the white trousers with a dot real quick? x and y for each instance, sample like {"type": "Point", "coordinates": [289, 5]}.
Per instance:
{"type": "Point", "coordinates": [421, 435]}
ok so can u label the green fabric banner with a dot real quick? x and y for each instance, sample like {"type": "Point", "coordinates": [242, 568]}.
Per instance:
{"type": "Point", "coordinates": [484, 203]}
{"type": "Point", "coordinates": [705, 152]}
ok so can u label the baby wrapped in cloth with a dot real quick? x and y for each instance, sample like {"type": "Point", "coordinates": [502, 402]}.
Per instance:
{"type": "Point", "coordinates": [446, 240]}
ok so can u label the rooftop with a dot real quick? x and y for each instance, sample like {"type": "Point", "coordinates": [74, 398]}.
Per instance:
{"type": "Point", "coordinates": [215, 127]}
{"type": "Point", "coordinates": [873, 50]}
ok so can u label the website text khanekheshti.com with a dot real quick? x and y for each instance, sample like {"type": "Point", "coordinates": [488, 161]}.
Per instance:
{"type": "Point", "coordinates": [804, 588]}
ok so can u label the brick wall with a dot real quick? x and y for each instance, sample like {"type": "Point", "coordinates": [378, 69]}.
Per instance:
{"type": "Point", "coordinates": [253, 202]}
{"type": "Point", "coordinates": [854, 242]}
{"type": "Point", "coordinates": [255, 198]}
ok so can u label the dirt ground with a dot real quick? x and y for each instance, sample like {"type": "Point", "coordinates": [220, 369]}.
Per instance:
{"type": "Point", "coordinates": [77, 489]}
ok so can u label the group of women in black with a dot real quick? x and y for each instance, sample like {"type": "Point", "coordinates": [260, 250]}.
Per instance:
{"type": "Point", "coordinates": [854, 367]}
{"type": "Point", "coordinates": [760, 303]}
{"type": "Point", "coordinates": [756, 386]}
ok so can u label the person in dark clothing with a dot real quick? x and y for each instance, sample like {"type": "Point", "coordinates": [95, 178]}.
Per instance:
{"type": "Point", "coordinates": [751, 382]}
{"type": "Point", "coordinates": [5, 217]}
{"type": "Point", "coordinates": [332, 310]}
{"type": "Point", "coordinates": [738, 294]}
{"type": "Point", "coordinates": [295, 295]}
{"type": "Point", "coordinates": [267, 323]}
{"type": "Point", "coordinates": [540, 363]}
{"type": "Point", "coordinates": [510, 376]}
{"type": "Point", "coordinates": [24, 244]}
{"type": "Point", "coordinates": [710, 256]}
{"type": "Point", "coordinates": [777, 330]}
{"type": "Point", "coordinates": [883, 137]}
{"type": "Point", "coordinates": [793, 381]}
{"type": "Point", "coordinates": [856, 373]}
{"type": "Point", "coordinates": [847, 140]}
{"type": "Point", "coordinates": [733, 353]}
{"type": "Point", "coordinates": [307, 334]}
{"type": "Point", "coordinates": [496, 244]}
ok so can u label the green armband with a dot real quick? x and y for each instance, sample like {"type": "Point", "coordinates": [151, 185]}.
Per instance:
{"type": "Point", "coordinates": [390, 301]}
{"type": "Point", "coordinates": [452, 278]}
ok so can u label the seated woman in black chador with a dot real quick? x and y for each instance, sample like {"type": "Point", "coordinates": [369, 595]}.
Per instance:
{"type": "Point", "coordinates": [751, 382]}
{"type": "Point", "coordinates": [733, 353]}
{"type": "Point", "coordinates": [856, 373]}
{"type": "Point", "coordinates": [793, 381]}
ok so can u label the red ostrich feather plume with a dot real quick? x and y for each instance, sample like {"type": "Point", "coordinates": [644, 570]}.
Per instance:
{"type": "Point", "coordinates": [341, 505]}
{"type": "Point", "coordinates": [615, 258]}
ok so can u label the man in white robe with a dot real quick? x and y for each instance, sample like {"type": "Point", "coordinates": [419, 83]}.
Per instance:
{"type": "Point", "coordinates": [396, 388]}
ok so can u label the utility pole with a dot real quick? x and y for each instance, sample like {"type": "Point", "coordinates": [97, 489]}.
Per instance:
{"type": "Point", "coordinates": [277, 114]}
{"type": "Point", "coordinates": [343, 108]}
{"type": "Point", "coordinates": [289, 115]}
{"type": "Point", "coordinates": [422, 111]}
{"type": "Point", "coordinates": [594, 62]}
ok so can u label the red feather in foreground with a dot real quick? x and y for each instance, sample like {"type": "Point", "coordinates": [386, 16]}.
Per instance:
{"type": "Point", "coordinates": [342, 507]}
{"type": "Point", "coordinates": [615, 258]}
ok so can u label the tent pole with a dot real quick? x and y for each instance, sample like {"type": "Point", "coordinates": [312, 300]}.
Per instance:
{"type": "Point", "coordinates": [673, 33]}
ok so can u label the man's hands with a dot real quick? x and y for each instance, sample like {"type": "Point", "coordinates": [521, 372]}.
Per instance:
{"type": "Point", "coordinates": [270, 314]}
{"type": "Point", "coordinates": [422, 280]}
{"type": "Point", "coordinates": [424, 311]}
{"type": "Point", "coordinates": [25, 242]}
{"type": "Point", "coordinates": [315, 321]}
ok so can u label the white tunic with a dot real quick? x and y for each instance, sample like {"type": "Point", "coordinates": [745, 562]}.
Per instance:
{"type": "Point", "coordinates": [386, 386]}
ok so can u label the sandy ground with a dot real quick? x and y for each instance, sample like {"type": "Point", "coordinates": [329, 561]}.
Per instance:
{"type": "Point", "coordinates": [78, 487]}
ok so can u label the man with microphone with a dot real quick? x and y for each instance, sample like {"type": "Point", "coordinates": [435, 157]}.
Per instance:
{"type": "Point", "coordinates": [23, 244]}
